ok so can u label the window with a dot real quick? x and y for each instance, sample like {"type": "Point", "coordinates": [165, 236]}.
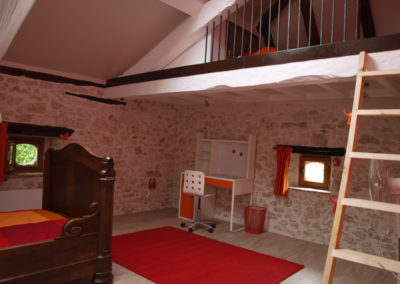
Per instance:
{"type": "Point", "coordinates": [314, 171]}
{"type": "Point", "coordinates": [25, 154]}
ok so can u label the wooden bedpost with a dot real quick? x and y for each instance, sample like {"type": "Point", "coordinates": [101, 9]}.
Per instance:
{"type": "Point", "coordinates": [106, 183]}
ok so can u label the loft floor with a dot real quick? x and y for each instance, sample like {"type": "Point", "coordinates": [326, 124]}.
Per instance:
{"type": "Point", "coordinates": [310, 254]}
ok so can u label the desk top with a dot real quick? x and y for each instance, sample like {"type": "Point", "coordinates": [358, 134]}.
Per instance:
{"type": "Point", "coordinates": [224, 177]}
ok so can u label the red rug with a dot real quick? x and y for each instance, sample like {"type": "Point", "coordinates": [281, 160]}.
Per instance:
{"type": "Point", "coordinates": [169, 255]}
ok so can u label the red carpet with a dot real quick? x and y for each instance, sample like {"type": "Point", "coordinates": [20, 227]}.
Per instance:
{"type": "Point", "coordinates": [169, 255]}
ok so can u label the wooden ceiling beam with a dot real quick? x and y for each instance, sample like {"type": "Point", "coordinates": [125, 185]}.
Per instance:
{"type": "Point", "coordinates": [275, 10]}
{"type": "Point", "coordinates": [305, 11]}
{"type": "Point", "coordinates": [367, 21]}
{"type": "Point", "coordinates": [182, 37]}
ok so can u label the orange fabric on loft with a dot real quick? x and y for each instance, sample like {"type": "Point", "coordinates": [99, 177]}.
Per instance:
{"type": "Point", "coordinates": [282, 170]}
{"type": "Point", "coordinates": [3, 149]}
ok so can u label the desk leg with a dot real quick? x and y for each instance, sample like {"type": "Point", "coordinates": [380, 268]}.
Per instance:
{"type": "Point", "coordinates": [232, 207]}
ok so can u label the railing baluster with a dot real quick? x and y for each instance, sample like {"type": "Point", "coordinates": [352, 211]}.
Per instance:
{"type": "Point", "coordinates": [344, 20]}
{"type": "Point", "coordinates": [279, 21]}
{"type": "Point", "coordinates": [260, 29]}
{"type": "Point", "coordinates": [251, 26]}
{"type": "Point", "coordinates": [234, 35]}
{"type": "Point", "coordinates": [288, 28]}
{"type": "Point", "coordinates": [357, 19]}
{"type": "Point", "coordinates": [212, 42]}
{"type": "Point", "coordinates": [309, 25]}
{"type": "Point", "coordinates": [227, 34]}
{"type": "Point", "coordinates": [243, 26]}
{"type": "Point", "coordinates": [219, 41]}
{"type": "Point", "coordinates": [322, 22]}
{"type": "Point", "coordinates": [298, 25]}
{"type": "Point", "coordinates": [333, 20]}
{"type": "Point", "coordinates": [269, 26]}
{"type": "Point", "coordinates": [205, 55]}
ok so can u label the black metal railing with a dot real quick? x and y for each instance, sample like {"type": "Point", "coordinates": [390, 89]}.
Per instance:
{"type": "Point", "coordinates": [274, 25]}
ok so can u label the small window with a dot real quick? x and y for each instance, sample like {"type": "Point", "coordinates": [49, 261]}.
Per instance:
{"type": "Point", "coordinates": [25, 154]}
{"type": "Point", "coordinates": [314, 171]}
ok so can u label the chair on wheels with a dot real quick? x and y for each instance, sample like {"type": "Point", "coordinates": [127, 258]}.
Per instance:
{"type": "Point", "coordinates": [194, 184]}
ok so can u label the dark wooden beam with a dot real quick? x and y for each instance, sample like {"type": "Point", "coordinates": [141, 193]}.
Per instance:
{"type": "Point", "coordinates": [37, 130]}
{"type": "Point", "coordinates": [265, 21]}
{"type": "Point", "coordinates": [367, 21]}
{"type": "Point", "coordinates": [47, 77]}
{"type": "Point", "coordinates": [96, 99]}
{"type": "Point", "coordinates": [305, 11]}
{"type": "Point", "coordinates": [316, 150]}
{"type": "Point", "coordinates": [383, 43]}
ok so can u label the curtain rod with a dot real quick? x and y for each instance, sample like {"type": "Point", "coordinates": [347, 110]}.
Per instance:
{"type": "Point", "coordinates": [316, 150]}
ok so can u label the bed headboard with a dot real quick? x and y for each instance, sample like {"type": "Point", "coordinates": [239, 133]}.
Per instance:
{"type": "Point", "coordinates": [74, 179]}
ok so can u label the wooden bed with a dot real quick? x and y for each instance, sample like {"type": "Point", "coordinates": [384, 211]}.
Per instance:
{"type": "Point", "coordinates": [79, 186]}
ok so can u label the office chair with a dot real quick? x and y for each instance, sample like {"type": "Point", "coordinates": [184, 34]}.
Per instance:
{"type": "Point", "coordinates": [194, 184]}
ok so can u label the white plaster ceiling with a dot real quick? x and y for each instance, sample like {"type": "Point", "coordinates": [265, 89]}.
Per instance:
{"type": "Point", "coordinates": [93, 38]}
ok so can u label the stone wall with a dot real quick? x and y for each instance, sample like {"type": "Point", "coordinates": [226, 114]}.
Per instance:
{"type": "Point", "coordinates": [148, 139]}
{"type": "Point", "coordinates": [304, 215]}
{"type": "Point", "coordinates": [140, 137]}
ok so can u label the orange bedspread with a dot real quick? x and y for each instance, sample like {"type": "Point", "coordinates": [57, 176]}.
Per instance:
{"type": "Point", "coordinates": [21, 227]}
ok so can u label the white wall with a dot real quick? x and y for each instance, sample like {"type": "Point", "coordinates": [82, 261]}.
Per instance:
{"type": "Point", "coordinates": [20, 199]}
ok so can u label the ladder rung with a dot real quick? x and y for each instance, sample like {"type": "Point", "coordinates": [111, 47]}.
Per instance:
{"type": "Point", "coordinates": [378, 112]}
{"type": "Point", "coordinates": [367, 259]}
{"type": "Point", "coordinates": [378, 74]}
{"type": "Point", "coordinates": [375, 205]}
{"type": "Point", "coordinates": [375, 156]}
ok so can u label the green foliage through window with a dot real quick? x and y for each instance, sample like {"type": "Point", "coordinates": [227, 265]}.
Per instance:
{"type": "Point", "coordinates": [26, 154]}
{"type": "Point", "coordinates": [11, 154]}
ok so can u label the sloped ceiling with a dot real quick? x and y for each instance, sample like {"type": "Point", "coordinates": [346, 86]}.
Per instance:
{"type": "Point", "coordinates": [94, 38]}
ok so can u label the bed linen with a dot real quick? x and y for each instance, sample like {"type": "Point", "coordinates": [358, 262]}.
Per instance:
{"type": "Point", "coordinates": [27, 226]}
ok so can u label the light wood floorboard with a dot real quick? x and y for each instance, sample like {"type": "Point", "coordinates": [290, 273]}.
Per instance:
{"type": "Point", "coordinates": [311, 255]}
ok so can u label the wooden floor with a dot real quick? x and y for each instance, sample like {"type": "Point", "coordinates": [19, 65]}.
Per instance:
{"type": "Point", "coordinates": [311, 255]}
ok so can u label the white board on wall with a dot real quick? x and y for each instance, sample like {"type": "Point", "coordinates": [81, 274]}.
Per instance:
{"type": "Point", "coordinates": [23, 199]}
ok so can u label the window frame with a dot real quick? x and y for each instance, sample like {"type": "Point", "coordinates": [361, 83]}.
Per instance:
{"type": "Point", "coordinates": [326, 160]}
{"type": "Point", "coordinates": [12, 166]}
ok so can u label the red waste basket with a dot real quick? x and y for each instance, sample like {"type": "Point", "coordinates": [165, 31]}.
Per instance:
{"type": "Point", "coordinates": [254, 218]}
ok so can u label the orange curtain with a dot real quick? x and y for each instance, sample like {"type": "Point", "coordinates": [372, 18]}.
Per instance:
{"type": "Point", "coordinates": [3, 149]}
{"type": "Point", "coordinates": [282, 170]}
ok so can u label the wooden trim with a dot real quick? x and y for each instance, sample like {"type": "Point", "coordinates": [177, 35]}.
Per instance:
{"type": "Point", "coordinates": [47, 77]}
{"type": "Point", "coordinates": [384, 43]}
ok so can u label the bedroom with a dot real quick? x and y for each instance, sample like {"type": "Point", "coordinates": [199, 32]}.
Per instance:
{"type": "Point", "coordinates": [149, 138]}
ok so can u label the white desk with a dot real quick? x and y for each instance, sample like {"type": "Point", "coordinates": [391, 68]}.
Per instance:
{"type": "Point", "coordinates": [227, 164]}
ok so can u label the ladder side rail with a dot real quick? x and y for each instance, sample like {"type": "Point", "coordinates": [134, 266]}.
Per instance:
{"type": "Point", "coordinates": [346, 174]}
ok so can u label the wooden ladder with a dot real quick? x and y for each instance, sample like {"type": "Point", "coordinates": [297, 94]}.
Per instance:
{"type": "Point", "coordinates": [334, 250]}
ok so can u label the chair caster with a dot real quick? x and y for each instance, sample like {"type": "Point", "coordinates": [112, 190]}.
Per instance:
{"type": "Point", "coordinates": [190, 230]}
{"type": "Point", "coordinates": [213, 225]}
{"type": "Point", "coordinates": [210, 230]}
{"type": "Point", "coordinates": [183, 225]}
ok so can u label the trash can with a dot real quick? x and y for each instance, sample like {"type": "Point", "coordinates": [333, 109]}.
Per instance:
{"type": "Point", "coordinates": [254, 218]}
